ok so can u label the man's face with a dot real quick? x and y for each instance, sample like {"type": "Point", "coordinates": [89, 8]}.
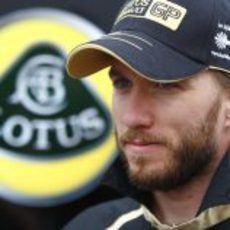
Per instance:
{"type": "Point", "coordinates": [167, 132]}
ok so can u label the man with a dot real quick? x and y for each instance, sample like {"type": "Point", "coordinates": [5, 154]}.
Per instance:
{"type": "Point", "coordinates": [170, 69]}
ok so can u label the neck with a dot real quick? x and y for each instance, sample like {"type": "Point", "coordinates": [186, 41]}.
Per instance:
{"type": "Point", "coordinates": [182, 204]}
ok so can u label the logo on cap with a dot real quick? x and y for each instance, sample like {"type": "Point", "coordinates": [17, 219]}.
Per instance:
{"type": "Point", "coordinates": [163, 12]}
{"type": "Point", "coordinates": [222, 40]}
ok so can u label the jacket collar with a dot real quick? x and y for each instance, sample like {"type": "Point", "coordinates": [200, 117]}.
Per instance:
{"type": "Point", "coordinates": [218, 192]}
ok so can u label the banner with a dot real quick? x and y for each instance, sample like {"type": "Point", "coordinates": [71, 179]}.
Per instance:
{"type": "Point", "coordinates": [56, 133]}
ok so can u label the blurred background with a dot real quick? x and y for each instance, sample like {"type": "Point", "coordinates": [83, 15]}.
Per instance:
{"type": "Point", "coordinates": [57, 151]}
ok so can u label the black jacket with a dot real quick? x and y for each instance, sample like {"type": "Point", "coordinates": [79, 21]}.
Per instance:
{"type": "Point", "coordinates": [130, 214]}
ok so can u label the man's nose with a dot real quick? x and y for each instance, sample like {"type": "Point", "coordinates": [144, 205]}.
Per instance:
{"type": "Point", "coordinates": [139, 110]}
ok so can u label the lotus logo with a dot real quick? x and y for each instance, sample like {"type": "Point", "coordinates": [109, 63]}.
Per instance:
{"type": "Point", "coordinates": [58, 123]}
{"type": "Point", "coordinates": [40, 85]}
{"type": "Point", "coordinates": [56, 137]}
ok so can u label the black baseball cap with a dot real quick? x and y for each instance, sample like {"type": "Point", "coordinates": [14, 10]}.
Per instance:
{"type": "Point", "coordinates": [162, 40]}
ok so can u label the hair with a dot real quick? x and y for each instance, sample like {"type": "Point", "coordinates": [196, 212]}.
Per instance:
{"type": "Point", "coordinates": [223, 78]}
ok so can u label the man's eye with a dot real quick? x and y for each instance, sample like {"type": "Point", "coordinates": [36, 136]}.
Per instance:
{"type": "Point", "coordinates": [121, 83]}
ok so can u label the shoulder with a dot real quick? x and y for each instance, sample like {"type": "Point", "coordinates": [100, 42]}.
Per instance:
{"type": "Point", "coordinates": [103, 215]}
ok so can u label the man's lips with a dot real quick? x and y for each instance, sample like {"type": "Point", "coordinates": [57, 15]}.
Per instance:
{"type": "Point", "coordinates": [141, 142]}
{"type": "Point", "coordinates": [143, 146]}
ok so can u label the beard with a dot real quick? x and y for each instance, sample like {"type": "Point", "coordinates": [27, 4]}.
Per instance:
{"type": "Point", "coordinates": [191, 158]}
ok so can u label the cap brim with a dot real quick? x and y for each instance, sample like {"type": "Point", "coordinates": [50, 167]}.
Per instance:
{"type": "Point", "coordinates": [144, 55]}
